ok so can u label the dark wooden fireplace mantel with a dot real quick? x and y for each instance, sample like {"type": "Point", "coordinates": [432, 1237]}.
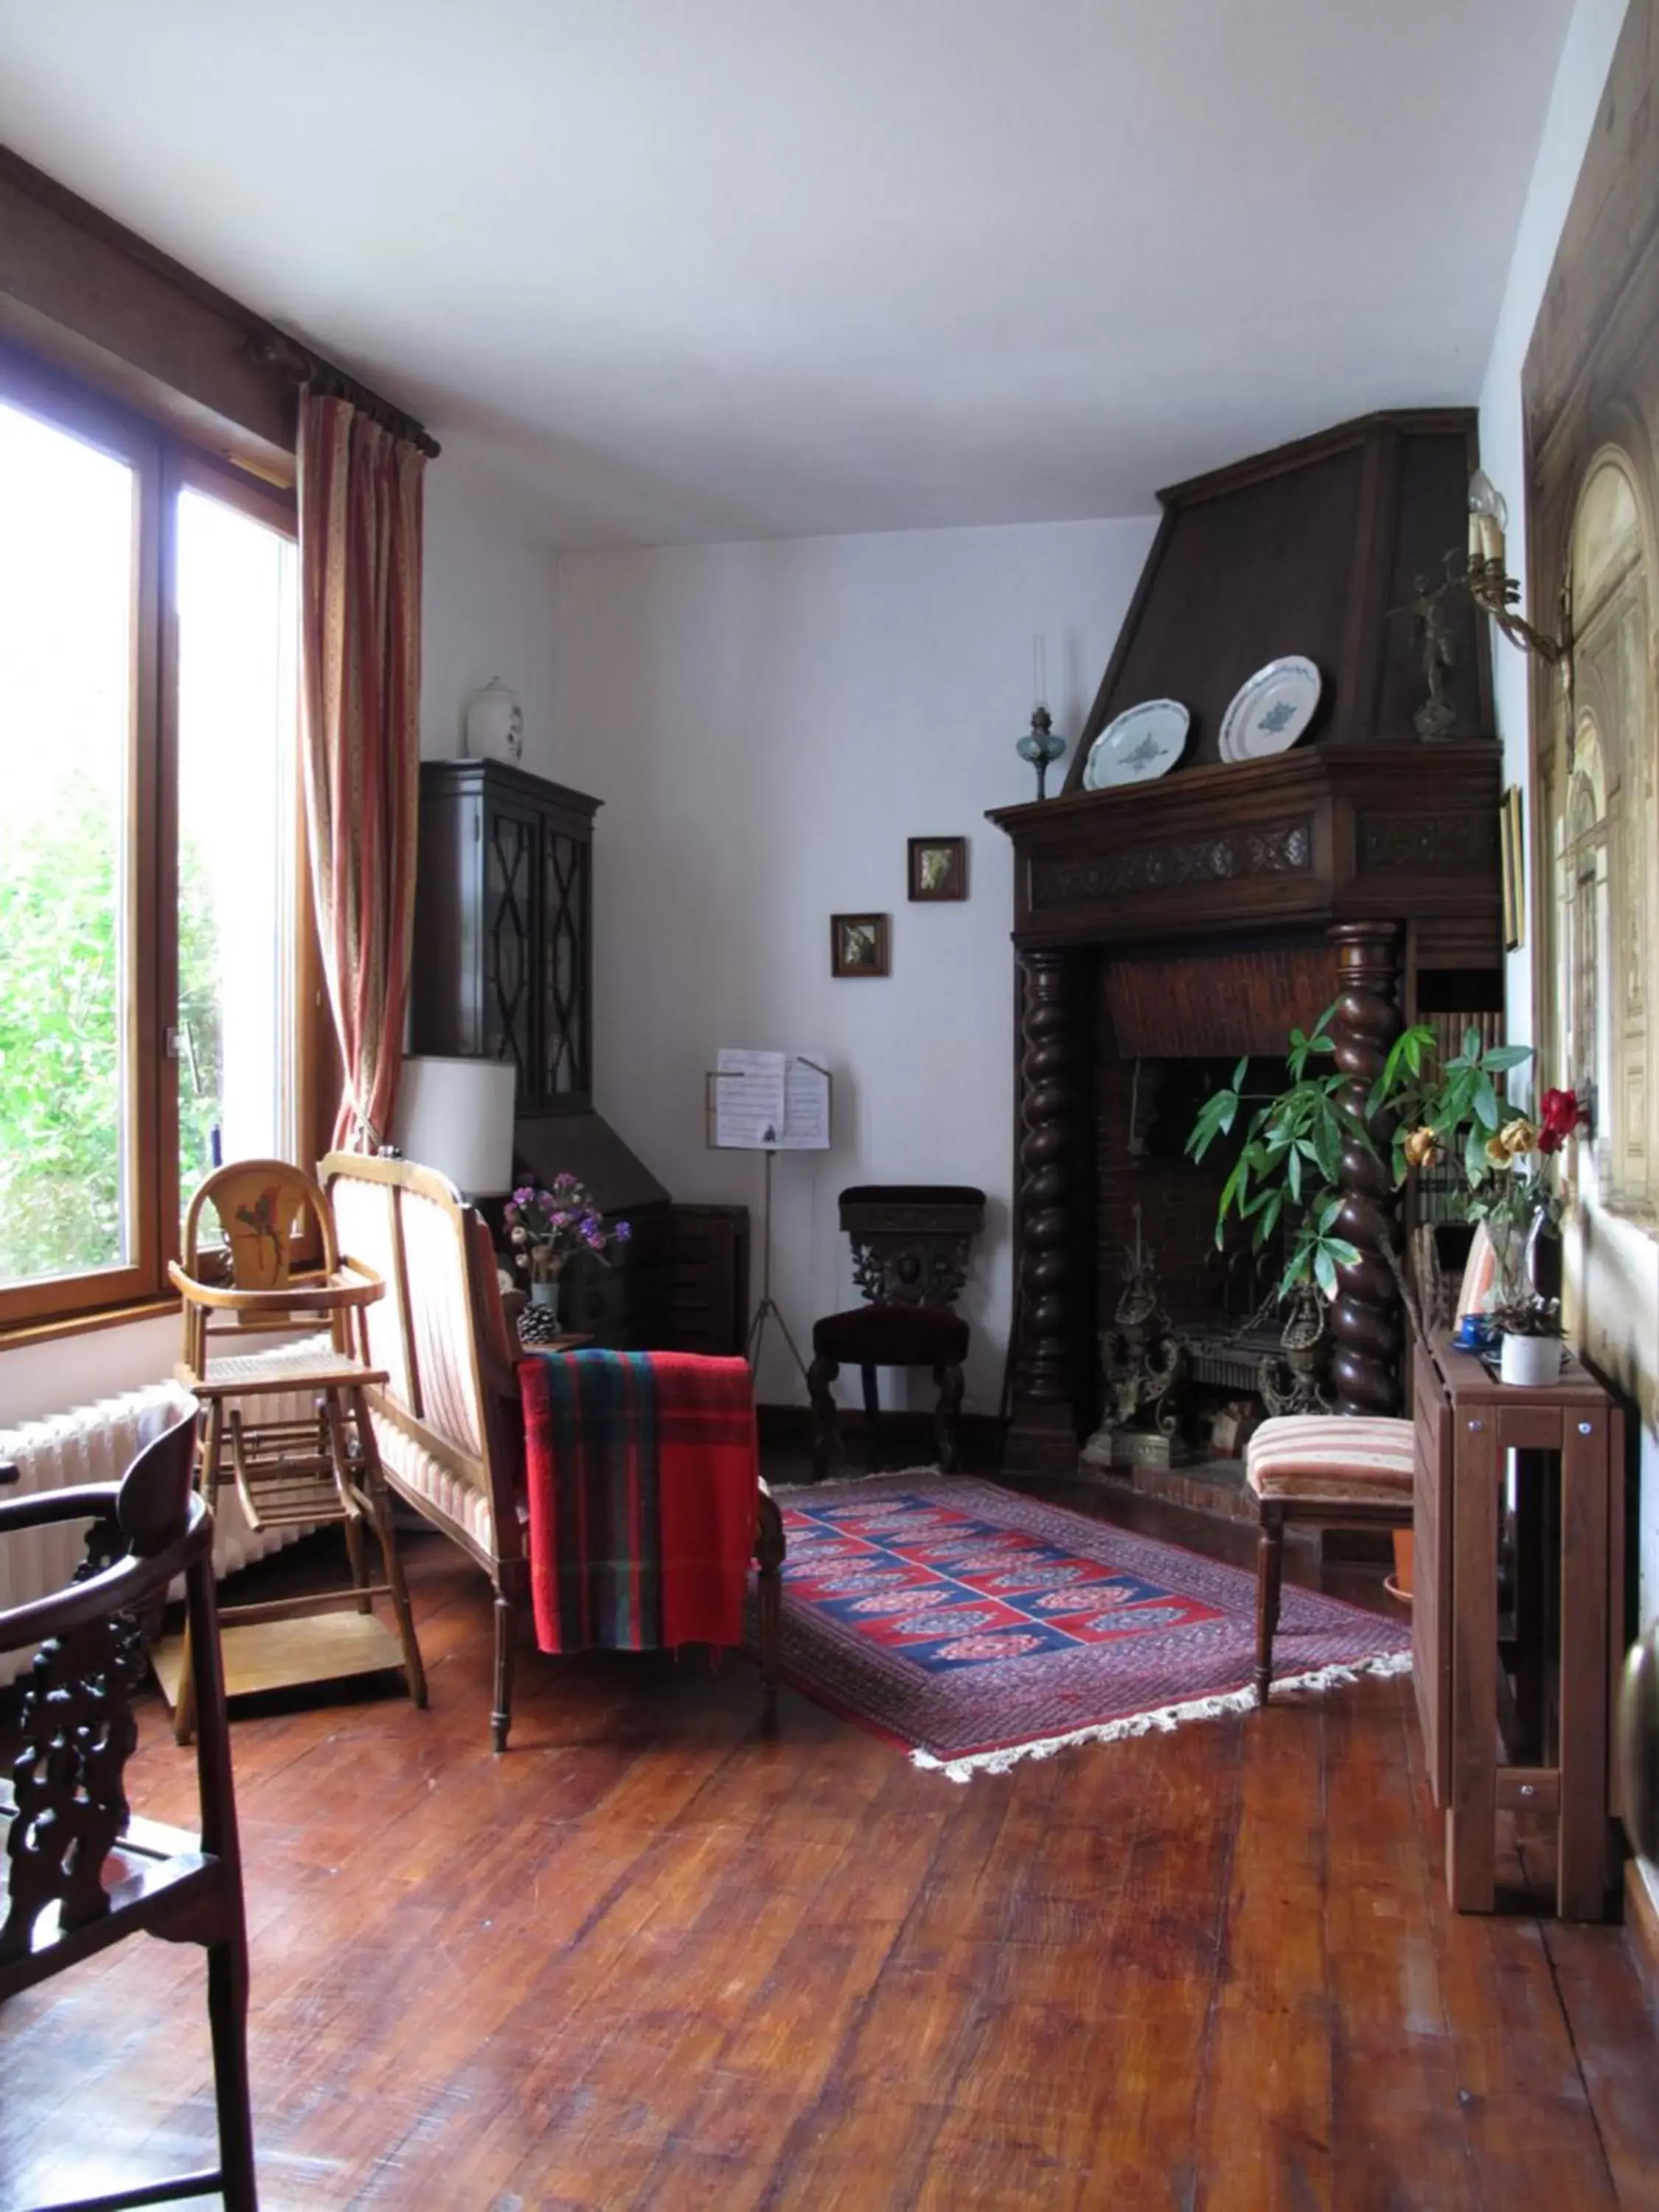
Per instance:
{"type": "Point", "coordinates": [1379, 832]}
{"type": "Point", "coordinates": [1367, 855]}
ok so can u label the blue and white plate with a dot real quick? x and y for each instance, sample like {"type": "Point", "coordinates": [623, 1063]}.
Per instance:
{"type": "Point", "coordinates": [1143, 742]}
{"type": "Point", "coordinates": [1270, 713]}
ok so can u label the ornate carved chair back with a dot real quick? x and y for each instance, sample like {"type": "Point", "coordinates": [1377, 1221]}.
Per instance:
{"type": "Point", "coordinates": [912, 1241]}
{"type": "Point", "coordinates": [65, 1819]}
{"type": "Point", "coordinates": [67, 1802]}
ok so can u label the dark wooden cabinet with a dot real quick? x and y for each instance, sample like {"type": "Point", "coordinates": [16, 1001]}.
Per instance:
{"type": "Point", "coordinates": [504, 969]}
{"type": "Point", "coordinates": [503, 927]}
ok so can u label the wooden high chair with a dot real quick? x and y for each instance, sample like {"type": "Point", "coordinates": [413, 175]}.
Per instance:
{"type": "Point", "coordinates": [289, 1472]}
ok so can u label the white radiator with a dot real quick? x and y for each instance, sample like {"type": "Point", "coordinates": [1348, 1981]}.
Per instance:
{"type": "Point", "coordinates": [96, 1443]}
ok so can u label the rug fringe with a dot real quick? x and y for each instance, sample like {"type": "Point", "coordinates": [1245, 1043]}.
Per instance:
{"type": "Point", "coordinates": [837, 1481]}
{"type": "Point", "coordinates": [1166, 1718]}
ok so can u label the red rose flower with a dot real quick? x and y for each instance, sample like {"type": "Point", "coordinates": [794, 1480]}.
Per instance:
{"type": "Point", "coordinates": [1559, 1113]}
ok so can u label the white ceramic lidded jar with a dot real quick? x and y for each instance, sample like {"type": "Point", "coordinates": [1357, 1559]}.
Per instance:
{"type": "Point", "coordinates": [494, 723]}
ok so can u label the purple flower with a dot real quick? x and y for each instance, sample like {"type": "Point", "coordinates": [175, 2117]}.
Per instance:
{"type": "Point", "coordinates": [526, 1196]}
{"type": "Point", "coordinates": [622, 1232]}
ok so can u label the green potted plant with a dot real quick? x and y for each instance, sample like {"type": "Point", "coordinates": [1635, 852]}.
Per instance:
{"type": "Point", "coordinates": [1420, 1110]}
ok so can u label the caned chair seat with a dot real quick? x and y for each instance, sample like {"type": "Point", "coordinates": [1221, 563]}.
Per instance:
{"type": "Point", "coordinates": [1323, 1469]}
{"type": "Point", "coordinates": [1334, 1459]}
{"type": "Point", "coordinates": [290, 1366]}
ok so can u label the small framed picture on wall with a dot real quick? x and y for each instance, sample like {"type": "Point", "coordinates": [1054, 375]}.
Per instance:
{"type": "Point", "coordinates": [938, 867]}
{"type": "Point", "coordinates": [859, 944]}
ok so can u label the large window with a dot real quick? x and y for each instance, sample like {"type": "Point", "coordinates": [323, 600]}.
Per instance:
{"type": "Point", "coordinates": [148, 836]}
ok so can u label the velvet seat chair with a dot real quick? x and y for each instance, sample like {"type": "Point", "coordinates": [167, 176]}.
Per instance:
{"type": "Point", "coordinates": [911, 1246]}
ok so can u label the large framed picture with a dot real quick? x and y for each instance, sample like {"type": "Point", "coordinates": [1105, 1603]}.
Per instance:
{"type": "Point", "coordinates": [939, 868]}
{"type": "Point", "coordinates": [859, 944]}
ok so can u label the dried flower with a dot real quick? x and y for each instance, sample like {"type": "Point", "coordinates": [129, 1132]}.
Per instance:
{"type": "Point", "coordinates": [549, 1226]}
{"type": "Point", "coordinates": [1518, 1136]}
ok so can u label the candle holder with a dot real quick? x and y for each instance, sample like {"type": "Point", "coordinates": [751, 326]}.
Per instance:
{"type": "Point", "coordinates": [1041, 745]}
{"type": "Point", "coordinates": [1494, 592]}
{"type": "Point", "coordinates": [1490, 588]}
{"type": "Point", "coordinates": [1499, 596]}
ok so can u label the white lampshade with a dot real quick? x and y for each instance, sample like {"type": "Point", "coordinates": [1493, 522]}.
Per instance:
{"type": "Point", "coordinates": [456, 1116]}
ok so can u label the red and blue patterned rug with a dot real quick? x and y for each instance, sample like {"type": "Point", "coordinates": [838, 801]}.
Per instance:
{"type": "Point", "coordinates": [978, 1627]}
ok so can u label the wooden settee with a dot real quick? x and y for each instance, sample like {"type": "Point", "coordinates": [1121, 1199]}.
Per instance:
{"type": "Point", "coordinates": [448, 1421]}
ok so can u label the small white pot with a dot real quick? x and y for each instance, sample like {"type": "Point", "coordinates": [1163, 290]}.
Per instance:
{"type": "Point", "coordinates": [1530, 1360]}
{"type": "Point", "coordinates": [494, 723]}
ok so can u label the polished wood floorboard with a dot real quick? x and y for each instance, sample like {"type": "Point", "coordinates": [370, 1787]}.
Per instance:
{"type": "Point", "coordinates": [650, 1959]}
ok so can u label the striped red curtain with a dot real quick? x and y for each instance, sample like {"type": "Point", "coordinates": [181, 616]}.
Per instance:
{"type": "Point", "coordinates": [359, 495]}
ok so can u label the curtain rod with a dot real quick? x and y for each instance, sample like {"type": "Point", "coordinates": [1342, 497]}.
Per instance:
{"type": "Point", "coordinates": [275, 349]}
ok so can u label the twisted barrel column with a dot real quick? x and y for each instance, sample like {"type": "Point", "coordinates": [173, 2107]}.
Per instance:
{"type": "Point", "coordinates": [1365, 1319]}
{"type": "Point", "coordinates": [1042, 1436]}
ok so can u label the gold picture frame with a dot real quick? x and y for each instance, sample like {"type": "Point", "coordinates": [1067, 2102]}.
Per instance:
{"type": "Point", "coordinates": [1512, 851]}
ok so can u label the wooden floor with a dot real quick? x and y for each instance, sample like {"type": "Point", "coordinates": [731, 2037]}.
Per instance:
{"type": "Point", "coordinates": [650, 1959]}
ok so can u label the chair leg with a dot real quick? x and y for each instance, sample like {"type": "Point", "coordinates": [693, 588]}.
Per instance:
{"type": "Point", "coordinates": [356, 1553]}
{"type": "Point", "coordinates": [826, 1436]}
{"type": "Point", "coordinates": [501, 1719]}
{"type": "Point", "coordinates": [207, 1479]}
{"type": "Point", "coordinates": [871, 1418]}
{"type": "Point", "coordinates": [950, 1386]}
{"type": "Point", "coordinates": [228, 2020]}
{"type": "Point", "coordinates": [1269, 1566]}
{"type": "Point", "coordinates": [374, 1485]}
{"type": "Point", "coordinates": [768, 1552]}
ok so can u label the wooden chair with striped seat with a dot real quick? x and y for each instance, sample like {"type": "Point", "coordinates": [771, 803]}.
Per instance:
{"type": "Point", "coordinates": [1322, 1470]}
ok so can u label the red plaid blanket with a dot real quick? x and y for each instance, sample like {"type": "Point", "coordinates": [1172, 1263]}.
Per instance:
{"type": "Point", "coordinates": [643, 1476]}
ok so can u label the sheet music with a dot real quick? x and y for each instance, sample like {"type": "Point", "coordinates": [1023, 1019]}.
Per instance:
{"type": "Point", "coordinates": [771, 1101]}
{"type": "Point", "coordinates": [805, 1103]}
{"type": "Point", "coordinates": [748, 1098]}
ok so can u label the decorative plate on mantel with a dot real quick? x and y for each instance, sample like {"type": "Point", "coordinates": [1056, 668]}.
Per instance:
{"type": "Point", "coordinates": [1142, 742]}
{"type": "Point", "coordinates": [1270, 713]}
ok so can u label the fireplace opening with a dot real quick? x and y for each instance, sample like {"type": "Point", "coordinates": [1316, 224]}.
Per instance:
{"type": "Point", "coordinates": [1191, 1330]}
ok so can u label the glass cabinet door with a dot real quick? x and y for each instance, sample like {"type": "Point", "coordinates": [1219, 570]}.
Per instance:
{"type": "Point", "coordinates": [565, 1075]}
{"type": "Point", "coordinates": [509, 939]}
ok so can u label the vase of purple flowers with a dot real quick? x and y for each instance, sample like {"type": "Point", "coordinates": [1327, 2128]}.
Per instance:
{"type": "Point", "coordinates": [549, 1228]}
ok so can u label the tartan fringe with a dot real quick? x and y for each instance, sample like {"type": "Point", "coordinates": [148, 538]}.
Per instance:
{"type": "Point", "coordinates": [1162, 1721]}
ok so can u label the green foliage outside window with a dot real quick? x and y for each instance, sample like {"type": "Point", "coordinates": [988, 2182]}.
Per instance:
{"type": "Point", "coordinates": [61, 1075]}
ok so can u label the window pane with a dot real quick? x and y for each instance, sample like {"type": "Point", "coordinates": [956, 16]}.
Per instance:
{"type": "Point", "coordinates": [68, 557]}
{"type": "Point", "coordinates": [237, 801]}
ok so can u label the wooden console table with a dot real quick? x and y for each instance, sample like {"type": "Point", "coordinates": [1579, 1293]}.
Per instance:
{"type": "Point", "coordinates": [1553, 1683]}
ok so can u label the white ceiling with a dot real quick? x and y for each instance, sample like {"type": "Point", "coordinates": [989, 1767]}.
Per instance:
{"type": "Point", "coordinates": [715, 269]}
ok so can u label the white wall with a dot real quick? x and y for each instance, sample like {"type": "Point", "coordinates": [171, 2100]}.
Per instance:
{"type": "Point", "coordinates": [767, 725]}
{"type": "Point", "coordinates": [486, 610]}
{"type": "Point", "coordinates": [1622, 1254]}
{"type": "Point", "coordinates": [486, 604]}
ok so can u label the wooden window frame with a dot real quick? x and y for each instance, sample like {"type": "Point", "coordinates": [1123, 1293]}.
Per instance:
{"type": "Point", "coordinates": [164, 464]}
